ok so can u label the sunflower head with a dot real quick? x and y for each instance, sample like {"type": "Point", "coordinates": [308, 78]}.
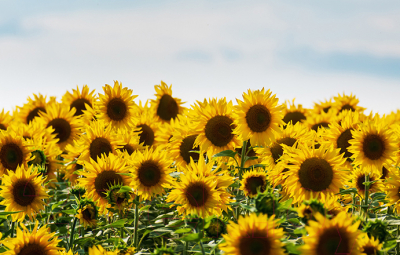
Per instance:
{"type": "Point", "coordinates": [254, 181]}
{"type": "Point", "coordinates": [369, 246]}
{"type": "Point", "coordinates": [308, 208]}
{"type": "Point", "coordinates": [215, 227]}
{"type": "Point", "coordinates": [347, 102]}
{"type": "Point", "coordinates": [294, 113]}
{"type": "Point", "coordinates": [119, 197]}
{"type": "Point", "coordinates": [377, 229]}
{"type": "Point", "coordinates": [78, 99]}
{"type": "Point", "coordinates": [87, 213]}
{"type": "Point", "coordinates": [267, 203]}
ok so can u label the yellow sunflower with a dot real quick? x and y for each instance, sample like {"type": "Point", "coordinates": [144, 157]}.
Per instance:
{"type": "Point", "coordinates": [253, 235]}
{"type": "Point", "coordinates": [313, 173]}
{"type": "Point", "coordinates": [358, 177]}
{"type": "Point", "coordinates": [130, 140]}
{"type": "Point", "coordinates": [39, 241]}
{"type": "Point", "coordinates": [332, 236]}
{"type": "Point", "coordinates": [31, 109]}
{"type": "Point", "coordinates": [150, 173]}
{"type": "Point", "coordinates": [347, 102]}
{"type": "Point", "coordinates": [252, 181]}
{"type": "Point", "coordinates": [373, 145]}
{"type": "Point", "coordinates": [393, 190]}
{"type": "Point", "coordinates": [324, 106]}
{"type": "Point", "coordinates": [78, 99]}
{"type": "Point", "coordinates": [148, 129]}
{"type": "Point", "coordinates": [87, 215]}
{"type": "Point", "coordinates": [293, 113]}
{"type": "Point", "coordinates": [99, 250]}
{"type": "Point", "coordinates": [35, 131]}
{"type": "Point", "coordinates": [89, 115]}
{"type": "Point", "coordinates": [320, 121]}
{"type": "Point", "coordinates": [62, 120]}
{"type": "Point", "coordinates": [99, 176]}
{"type": "Point", "coordinates": [386, 170]}
{"type": "Point", "coordinates": [71, 166]}
{"type": "Point", "coordinates": [166, 107]}
{"type": "Point", "coordinates": [5, 120]}
{"type": "Point", "coordinates": [369, 246]}
{"type": "Point", "coordinates": [213, 123]}
{"type": "Point", "coordinates": [116, 106]}
{"type": "Point", "coordinates": [258, 117]}
{"type": "Point", "coordinates": [23, 191]}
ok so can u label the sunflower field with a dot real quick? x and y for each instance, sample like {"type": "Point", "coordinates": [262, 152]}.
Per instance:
{"type": "Point", "coordinates": [98, 173]}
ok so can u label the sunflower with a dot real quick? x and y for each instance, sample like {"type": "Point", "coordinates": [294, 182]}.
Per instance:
{"type": "Point", "coordinates": [99, 250]}
{"type": "Point", "coordinates": [358, 178]}
{"type": "Point", "coordinates": [320, 121]}
{"type": "Point", "coordinates": [165, 107]}
{"type": "Point", "coordinates": [386, 170]}
{"type": "Point", "coordinates": [71, 166]}
{"type": "Point", "coordinates": [148, 129]}
{"type": "Point", "coordinates": [214, 126]}
{"type": "Point", "coordinates": [258, 117]}
{"type": "Point", "coordinates": [116, 106]}
{"type": "Point", "coordinates": [345, 102]}
{"type": "Point", "coordinates": [336, 236]}
{"type": "Point", "coordinates": [30, 110]}
{"type": "Point", "coordinates": [99, 176]}
{"type": "Point", "coordinates": [393, 190]}
{"type": "Point", "coordinates": [87, 214]}
{"type": "Point", "coordinates": [23, 191]}
{"type": "Point", "coordinates": [293, 113]}
{"type": "Point", "coordinates": [78, 99]}
{"type": "Point", "coordinates": [14, 151]}
{"type": "Point", "coordinates": [313, 173]}
{"type": "Point", "coordinates": [89, 115]}
{"type": "Point", "coordinates": [372, 145]}
{"type": "Point", "coordinates": [250, 153]}
{"type": "Point", "coordinates": [252, 181]}
{"type": "Point", "coordinates": [369, 246]}
{"type": "Point", "coordinates": [39, 241]}
{"type": "Point", "coordinates": [130, 140]}
{"type": "Point", "coordinates": [253, 235]}
{"type": "Point", "coordinates": [324, 106]}
{"type": "Point", "coordinates": [35, 131]}
{"type": "Point", "coordinates": [150, 172]}
{"type": "Point", "coordinates": [64, 123]}
{"type": "Point", "coordinates": [5, 120]}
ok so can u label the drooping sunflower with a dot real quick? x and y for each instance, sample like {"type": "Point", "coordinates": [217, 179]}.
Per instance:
{"type": "Point", "coordinates": [214, 126]}
{"type": "Point", "coordinates": [62, 120]}
{"type": "Point", "coordinates": [116, 106]}
{"type": "Point", "coordinates": [14, 151]}
{"type": "Point", "coordinates": [320, 121]}
{"type": "Point", "coordinates": [347, 102]}
{"type": "Point", "coordinates": [165, 106]}
{"type": "Point", "coordinates": [294, 114]}
{"type": "Point", "coordinates": [39, 241]}
{"type": "Point", "coordinates": [332, 236]}
{"type": "Point", "coordinates": [358, 178]}
{"type": "Point", "coordinates": [5, 119]}
{"type": "Point", "coordinates": [313, 173]}
{"type": "Point", "coordinates": [253, 235]}
{"type": "Point", "coordinates": [252, 181]}
{"type": "Point", "coordinates": [23, 191]}
{"type": "Point", "coordinates": [77, 99]}
{"type": "Point", "coordinates": [100, 175]}
{"type": "Point", "coordinates": [258, 117]}
{"type": "Point", "coordinates": [150, 172]}
{"type": "Point", "coordinates": [373, 145]}
{"type": "Point", "coordinates": [31, 109]}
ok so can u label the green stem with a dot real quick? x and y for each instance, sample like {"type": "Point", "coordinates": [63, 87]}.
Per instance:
{"type": "Point", "coordinates": [242, 159]}
{"type": "Point", "coordinates": [366, 196]}
{"type": "Point", "coordinates": [71, 239]}
{"type": "Point", "coordinates": [202, 234]}
{"type": "Point", "coordinates": [398, 234]}
{"type": "Point", "coordinates": [186, 242]}
{"type": "Point", "coordinates": [12, 229]}
{"type": "Point", "coordinates": [136, 237]}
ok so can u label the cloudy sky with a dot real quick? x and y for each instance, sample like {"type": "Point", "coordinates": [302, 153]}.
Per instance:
{"type": "Point", "coordinates": [308, 50]}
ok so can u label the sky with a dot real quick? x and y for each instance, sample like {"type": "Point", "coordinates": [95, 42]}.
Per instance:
{"type": "Point", "coordinates": [309, 50]}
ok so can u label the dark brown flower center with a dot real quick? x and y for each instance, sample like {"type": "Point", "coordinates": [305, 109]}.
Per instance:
{"type": "Point", "coordinates": [347, 107]}
{"type": "Point", "coordinates": [322, 124]}
{"type": "Point", "coordinates": [332, 241]}
{"type": "Point", "coordinates": [255, 243]}
{"type": "Point", "coordinates": [315, 174]}
{"type": "Point", "coordinates": [128, 148]}
{"type": "Point", "coordinates": [361, 180]}
{"type": "Point", "coordinates": [34, 113]}
{"type": "Point", "coordinates": [99, 146]}
{"type": "Point", "coordinates": [33, 249]}
{"type": "Point", "coordinates": [277, 150]}
{"type": "Point", "coordinates": [373, 147]}
{"type": "Point", "coordinates": [147, 135]}
{"type": "Point", "coordinates": [104, 180]}
{"type": "Point", "coordinates": [79, 105]}
{"type": "Point", "coordinates": [186, 146]}
{"type": "Point", "coordinates": [168, 108]}
{"type": "Point", "coordinates": [11, 156]}
{"type": "Point", "coordinates": [219, 130]}
{"type": "Point", "coordinates": [88, 214]}
{"type": "Point", "coordinates": [116, 109]}
{"type": "Point", "coordinates": [24, 192]}
{"type": "Point", "coordinates": [326, 109]}
{"type": "Point", "coordinates": [385, 173]}
{"type": "Point", "coordinates": [294, 117]}
{"type": "Point", "coordinates": [258, 118]}
{"type": "Point", "coordinates": [62, 129]}
{"type": "Point", "coordinates": [343, 143]}
{"type": "Point", "coordinates": [197, 194]}
{"type": "Point", "coordinates": [149, 173]}
{"type": "Point", "coordinates": [2, 127]}
{"type": "Point", "coordinates": [369, 250]}
{"type": "Point", "coordinates": [253, 183]}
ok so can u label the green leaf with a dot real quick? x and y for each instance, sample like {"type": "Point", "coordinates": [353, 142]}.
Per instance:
{"type": "Point", "coordinates": [294, 221]}
{"type": "Point", "coordinates": [69, 211]}
{"type": "Point", "coordinates": [117, 224]}
{"type": "Point", "coordinates": [124, 189]}
{"type": "Point", "coordinates": [285, 205]}
{"type": "Point", "coordinates": [248, 208]}
{"type": "Point", "coordinates": [8, 213]}
{"type": "Point", "coordinates": [183, 230]}
{"type": "Point", "coordinates": [388, 245]}
{"type": "Point", "coordinates": [227, 153]}
{"type": "Point", "coordinates": [258, 165]}
{"type": "Point", "coordinates": [348, 191]}
{"type": "Point", "coordinates": [192, 237]}
{"type": "Point", "coordinates": [126, 174]}
{"type": "Point", "coordinates": [144, 208]}
{"type": "Point", "coordinates": [291, 248]}
{"type": "Point", "coordinates": [57, 204]}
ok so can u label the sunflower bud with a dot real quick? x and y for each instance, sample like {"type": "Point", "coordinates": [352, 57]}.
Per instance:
{"type": "Point", "coordinates": [377, 229]}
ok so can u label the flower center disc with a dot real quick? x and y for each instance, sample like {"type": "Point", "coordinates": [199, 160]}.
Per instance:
{"type": "Point", "coordinates": [87, 214]}
{"type": "Point", "coordinates": [385, 173]}
{"type": "Point", "coordinates": [347, 107]}
{"type": "Point", "coordinates": [343, 143]}
{"type": "Point", "coordinates": [369, 250]}
{"type": "Point", "coordinates": [322, 124]}
{"type": "Point", "coordinates": [149, 173]}
{"type": "Point", "coordinates": [219, 131]}
{"type": "Point", "coordinates": [277, 150]}
{"type": "Point", "coordinates": [333, 241]}
{"type": "Point", "coordinates": [104, 180]}
{"type": "Point", "coordinates": [294, 117]}
{"type": "Point", "coordinates": [34, 113]}
{"type": "Point", "coordinates": [62, 129]}
{"type": "Point", "coordinates": [168, 108]}
{"type": "Point", "coordinates": [255, 243]}
{"type": "Point", "coordinates": [253, 183]}
{"type": "Point", "coordinates": [361, 180]}
{"type": "Point", "coordinates": [99, 146]}
{"type": "Point", "coordinates": [79, 105]}
{"type": "Point", "coordinates": [2, 127]}
{"type": "Point", "coordinates": [373, 147]}
{"type": "Point", "coordinates": [24, 192]}
{"type": "Point", "coordinates": [128, 148]}
{"type": "Point", "coordinates": [258, 118]}
{"type": "Point", "coordinates": [186, 146]}
{"type": "Point", "coordinates": [116, 109]}
{"type": "Point", "coordinates": [197, 194]}
{"type": "Point", "coordinates": [147, 135]}
{"type": "Point", "coordinates": [315, 174]}
{"type": "Point", "coordinates": [32, 248]}
{"type": "Point", "coordinates": [11, 156]}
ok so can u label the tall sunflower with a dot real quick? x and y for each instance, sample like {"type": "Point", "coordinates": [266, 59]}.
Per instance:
{"type": "Point", "coordinates": [5, 120]}
{"type": "Point", "coordinates": [336, 236]}
{"type": "Point", "coordinates": [258, 117]}
{"type": "Point", "coordinates": [294, 114]}
{"type": "Point", "coordinates": [99, 176]}
{"type": "Point", "coordinates": [165, 106]}
{"type": "Point", "coordinates": [39, 241]}
{"type": "Point", "coordinates": [116, 106]}
{"type": "Point", "coordinates": [23, 191]}
{"type": "Point", "coordinates": [253, 235]}
{"type": "Point", "coordinates": [347, 102]}
{"type": "Point", "coordinates": [78, 99]}
{"type": "Point", "coordinates": [31, 109]}
{"type": "Point", "coordinates": [150, 173]}
{"type": "Point", "coordinates": [252, 181]}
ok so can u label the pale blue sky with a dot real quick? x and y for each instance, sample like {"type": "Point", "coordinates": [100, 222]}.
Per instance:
{"type": "Point", "coordinates": [310, 50]}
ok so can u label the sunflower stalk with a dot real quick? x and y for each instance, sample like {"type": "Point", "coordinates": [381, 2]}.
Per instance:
{"type": "Point", "coordinates": [136, 236]}
{"type": "Point", "coordinates": [12, 229]}
{"type": "Point", "coordinates": [71, 239]}
{"type": "Point", "coordinates": [366, 196]}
